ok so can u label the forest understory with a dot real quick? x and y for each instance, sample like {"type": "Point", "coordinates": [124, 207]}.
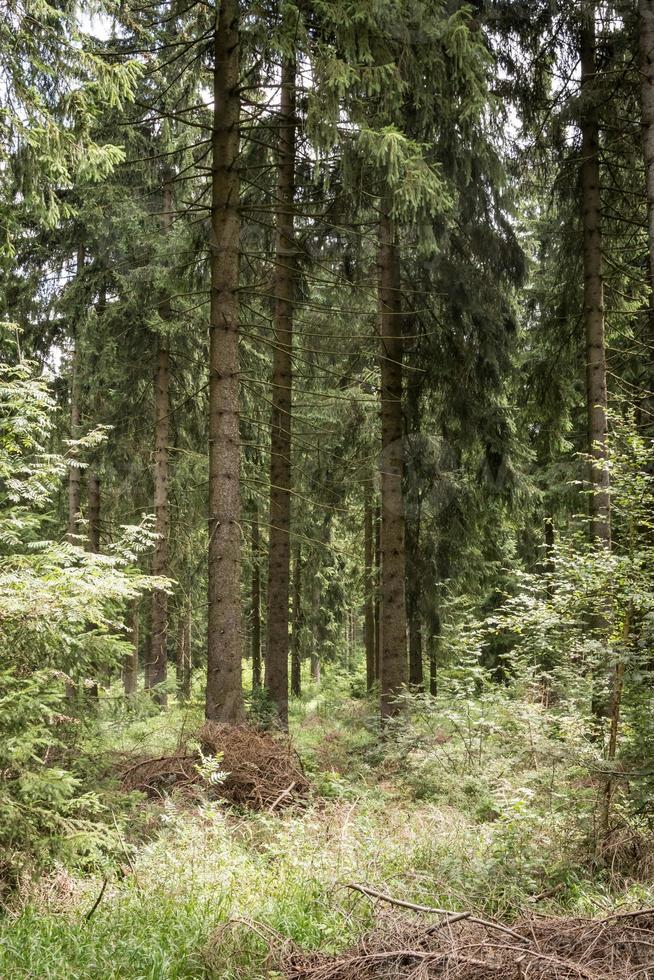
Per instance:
{"type": "Point", "coordinates": [327, 489]}
{"type": "Point", "coordinates": [481, 820]}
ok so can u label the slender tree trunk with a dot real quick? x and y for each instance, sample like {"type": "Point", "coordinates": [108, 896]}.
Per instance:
{"type": "Point", "coordinates": [156, 668]}
{"type": "Point", "coordinates": [369, 592]}
{"type": "Point", "coordinates": [614, 729]}
{"type": "Point", "coordinates": [377, 604]}
{"type": "Point", "coordinates": [279, 552]}
{"type": "Point", "coordinates": [93, 488]}
{"type": "Point", "coordinates": [93, 484]}
{"type": "Point", "coordinates": [596, 389]}
{"type": "Point", "coordinates": [224, 696]}
{"type": "Point", "coordinates": [131, 664]}
{"type": "Point", "coordinates": [596, 386]}
{"type": "Point", "coordinates": [348, 639]}
{"type": "Point", "coordinates": [317, 631]}
{"type": "Point", "coordinates": [550, 566]}
{"type": "Point", "coordinates": [74, 472]}
{"type": "Point", "coordinates": [646, 45]}
{"type": "Point", "coordinates": [433, 657]}
{"type": "Point", "coordinates": [393, 654]}
{"type": "Point", "coordinates": [256, 604]}
{"type": "Point", "coordinates": [413, 587]}
{"type": "Point", "coordinates": [646, 48]}
{"type": "Point", "coordinates": [296, 635]}
{"type": "Point", "coordinates": [184, 656]}
{"type": "Point", "coordinates": [415, 652]}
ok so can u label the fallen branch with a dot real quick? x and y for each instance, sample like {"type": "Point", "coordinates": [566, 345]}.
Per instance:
{"type": "Point", "coordinates": [289, 789]}
{"type": "Point", "coordinates": [627, 915]}
{"type": "Point", "coordinates": [161, 758]}
{"type": "Point", "coordinates": [430, 910]}
{"type": "Point", "coordinates": [97, 901]}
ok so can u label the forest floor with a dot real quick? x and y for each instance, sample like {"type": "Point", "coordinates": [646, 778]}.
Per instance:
{"type": "Point", "coordinates": [481, 806]}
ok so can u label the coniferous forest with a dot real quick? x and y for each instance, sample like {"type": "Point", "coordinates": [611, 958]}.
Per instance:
{"type": "Point", "coordinates": [327, 489]}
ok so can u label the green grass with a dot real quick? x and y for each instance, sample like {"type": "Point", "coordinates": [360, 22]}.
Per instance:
{"type": "Point", "coordinates": [481, 819]}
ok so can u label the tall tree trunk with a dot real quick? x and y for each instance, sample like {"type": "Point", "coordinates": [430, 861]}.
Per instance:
{"type": "Point", "coordinates": [184, 660]}
{"type": "Point", "coordinates": [604, 821]}
{"type": "Point", "coordinates": [224, 696]}
{"type": "Point", "coordinates": [156, 668]}
{"type": "Point", "coordinates": [596, 390]}
{"type": "Point", "coordinates": [315, 621]}
{"type": "Point", "coordinates": [377, 605]}
{"type": "Point", "coordinates": [393, 654]}
{"type": "Point", "coordinates": [550, 565]}
{"type": "Point", "coordinates": [74, 472]}
{"type": "Point", "coordinates": [296, 635]}
{"type": "Point", "coordinates": [279, 551]}
{"type": "Point", "coordinates": [413, 587]}
{"type": "Point", "coordinates": [646, 45]}
{"type": "Point", "coordinates": [369, 591]}
{"type": "Point", "coordinates": [646, 49]}
{"type": "Point", "coordinates": [94, 499]}
{"type": "Point", "coordinates": [434, 643]}
{"type": "Point", "coordinates": [131, 663]}
{"type": "Point", "coordinates": [415, 652]}
{"type": "Point", "coordinates": [596, 386]}
{"type": "Point", "coordinates": [93, 485]}
{"type": "Point", "coordinates": [256, 604]}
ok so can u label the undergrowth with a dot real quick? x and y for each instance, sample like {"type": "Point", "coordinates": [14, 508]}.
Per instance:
{"type": "Point", "coordinates": [488, 808]}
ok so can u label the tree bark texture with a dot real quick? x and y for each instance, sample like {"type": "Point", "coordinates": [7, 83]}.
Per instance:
{"type": "Point", "coordinates": [377, 605]}
{"type": "Point", "coordinates": [369, 591]}
{"type": "Point", "coordinates": [393, 653]}
{"type": "Point", "coordinates": [296, 635]}
{"type": "Point", "coordinates": [224, 696]}
{"type": "Point", "coordinates": [131, 664]}
{"type": "Point", "coordinates": [279, 551]}
{"type": "Point", "coordinates": [156, 668]}
{"type": "Point", "coordinates": [596, 388]}
{"type": "Point", "coordinates": [646, 46]}
{"type": "Point", "coordinates": [414, 586]}
{"type": "Point", "coordinates": [256, 603]}
{"type": "Point", "coordinates": [74, 472]}
{"type": "Point", "coordinates": [184, 656]}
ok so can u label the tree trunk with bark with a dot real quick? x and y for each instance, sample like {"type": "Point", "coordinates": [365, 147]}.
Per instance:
{"type": "Point", "coordinates": [377, 605]}
{"type": "Point", "coordinates": [596, 388]}
{"type": "Point", "coordinates": [224, 695]}
{"type": "Point", "coordinates": [369, 592]}
{"type": "Point", "coordinates": [156, 668]}
{"type": "Point", "coordinates": [131, 663]}
{"type": "Point", "coordinates": [279, 549]}
{"type": "Point", "coordinates": [184, 659]}
{"type": "Point", "coordinates": [434, 644]}
{"type": "Point", "coordinates": [413, 589]}
{"type": "Point", "coordinates": [94, 503]}
{"type": "Point", "coordinates": [74, 472]}
{"type": "Point", "coordinates": [317, 630]}
{"type": "Point", "coordinates": [393, 653]}
{"type": "Point", "coordinates": [646, 48]}
{"type": "Point", "coordinates": [256, 603]}
{"type": "Point", "coordinates": [296, 634]}
{"type": "Point", "coordinates": [646, 61]}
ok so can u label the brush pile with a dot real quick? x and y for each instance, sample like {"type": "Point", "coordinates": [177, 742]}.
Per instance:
{"type": "Point", "coordinates": [258, 771]}
{"type": "Point", "coordinates": [536, 948]}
